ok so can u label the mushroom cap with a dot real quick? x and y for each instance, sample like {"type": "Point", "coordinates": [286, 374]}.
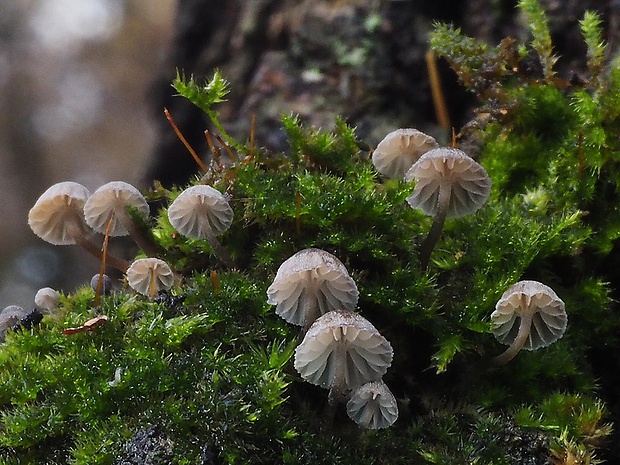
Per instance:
{"type": "Point", "coordinates": [468, 180]}
{"type": "Point", "coordinates": [343, 350]}
{"type": "Point", "coordinates": [114, 197]}
{"type": "Point", "coordinates": [10, 316]}
{"type": "Point", "coordinates": [148, 276]}
{"type": "Point", "coordinates": [399, 150]}
{"type": "Point", "coordinates": [198, 209]}
{"type": "Point", "coordinates": [58, 209]}
{"type": "Point", "coordinates": [548, 321]}
{"type": "Point", "coordinates": [46, 299]}
{"type": "Point", "coordinates": [106, 285]}
{"type": "Point", "coordinates": [309, 284]}
{"type": "Point", "coordinates": [373, 406]}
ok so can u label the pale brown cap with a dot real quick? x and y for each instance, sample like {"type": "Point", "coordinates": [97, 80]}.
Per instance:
{"type": "Point", "coordinates": [469, 182]}
{"type": "Point", "coordinates": [58, 211]}
{"type": "Point", "coordinates": [148, 276]}
{"type": "Point", "coordinates": [549, 317]}
{"type": "Point", "coordinates": [399, 150]}
{"type": "Point", "coordinates": [309, 284]}
{"type": "Point", "coordinates": [110, 198]}
{"type": "Point", "coordinates": [198, 208]}
{"type": "Point", "coordinates": [342, 350]}
{"type": "Point", "coordinates": [373, 406]}
{"type": "Point", "coordinates": [46, 299]}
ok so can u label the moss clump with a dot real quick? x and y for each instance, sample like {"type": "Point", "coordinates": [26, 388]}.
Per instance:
{"type": "Point", "coordinates": [203, 374]}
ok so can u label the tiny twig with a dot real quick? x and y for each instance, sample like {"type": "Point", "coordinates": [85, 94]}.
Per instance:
{"type": "Point", "coordinates": [439, 101]}
{"type": "Point", "coordinates": [185, 143]}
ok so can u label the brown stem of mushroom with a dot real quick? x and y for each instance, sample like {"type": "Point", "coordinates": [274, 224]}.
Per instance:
{"type": "Point", "coordinates": [219, 251]}
{"type": "Point", "coordinates": [443, 202]}
{"type": "Point", "coordinates": [139, 236]}
{"type": "Point", "coordinates": [524, 332]}
{"type": "Point", "coordinates": [78, 236]}
{"type": "Point", "coordinates": [106, 239]}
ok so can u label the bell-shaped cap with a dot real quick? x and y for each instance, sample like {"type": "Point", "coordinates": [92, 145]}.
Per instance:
{"type": "Point", "coordinates": [198, 209]}
{"type": "Point", "coordinates": [114, 198]}
{"type": "Point", "coordinates": [58, 213]}
{"type": "Point", "coordinates": [342, 350]}
{"type": "Point", "coordinates": [469, 182]}
{"type": "Point", "coordinates": [148, 276]}
{"type": "Point", "coordinates": [9, 317]}
{"type": "Point", "coordinates": [309, 284]}
{"type": "Point", "coordinates": [46, 299]}
{"type": "Point", "coordinates": [373, 406]}
{"type": "Point", "coordinates": [399, 150]}
{"type": "Point", "coordinates": [549, 318]}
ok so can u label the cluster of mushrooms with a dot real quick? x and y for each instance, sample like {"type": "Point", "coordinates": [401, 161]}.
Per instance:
{"type": "Point", "coordinates": [67, 213]}
{"type": "Point", "coordinates": [341, 350]}
{"type": "Point", "coordinates": [450, 184]}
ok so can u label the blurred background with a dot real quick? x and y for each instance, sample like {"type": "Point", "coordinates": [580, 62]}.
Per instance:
{"type": "Point", "coordinates": [75, 78]}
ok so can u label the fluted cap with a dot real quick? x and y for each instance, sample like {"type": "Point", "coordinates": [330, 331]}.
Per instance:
{"type": "Point", "coordinates": [549, 317]}
{"type": "Point", "coordinates": [59, 213]}
{"type": "Point", "coordinates": [469, 182]}
{"type": "Point", "coordinates": [113, 198]}
{"type": "Point", "coordinates": [342, 350]}
{"type": "Point", "coordinates": [373, 406]}
{"type": "Point", "coordinates": [399, 150]}
{"type": "Point", "coordinates": [199, 208]}
{"type": "Point", "coordinates": [148, 276]}
{"type": "Point", "coordinates": [309, 284]}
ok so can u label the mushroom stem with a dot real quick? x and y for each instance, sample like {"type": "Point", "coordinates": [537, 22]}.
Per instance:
{"type": "Point", "coordinates": [219, 251]}
{"type": "Point", "coordinates": [443, 202]}
{"type": "Point", "coordinates": [139, 236]}
{"type": "Point", "coordinates": [78, 236]}
{"type": "Point", "coordinates": [514, 348]}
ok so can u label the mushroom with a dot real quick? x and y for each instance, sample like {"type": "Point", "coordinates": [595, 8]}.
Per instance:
{"type": "Point", "coordinates": [399, 150]}
{"type": "Point", "coordinates": [9, 317]}
{"type": "Point", "coordinates": [148, 276]}
{"type": "Point", "coordinates": [309, 284]}
{"type": "Point", "coordinates": [373, 406]}
{"type": "Point", "coordinates": [46, 299]}
{"type": "Point", "coordinates": [109, 204]}
{"type": "Point", "coordinates": [202, 212]}
{"type": "Point", "coordinates": [105, 286]}
{"type": "Point", "coordinates": [529, 315]}
{"type": "Point", "coordinates": [448, 184]}
{"type": "Point", "coordinates": [57, 217]}
{"type": "Point", "coordinates": [341, 351]}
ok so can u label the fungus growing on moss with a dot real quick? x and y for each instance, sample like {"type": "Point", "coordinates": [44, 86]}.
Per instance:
{"type": "Point", "coordinates": [106, 284]}
{"type": "Point", "coordinates": [202, 212]}
{"type": "Point", "coordinates": [9, 317]}
{"type": "Point", "coordinates": [448, 184]}
{"type": "Point", "coordinates": [341, 351]}
{"type": "Point", "coordinates": [373, 406]}
{"type": "Point", "coordinates": [109, 204]}
{"type": "Point", "coordinates": [148, 276]}
{"type": "Point", "coordinates": [309, 284]}
{"type": "Point", "coordinates": [57, 217]}
{"type": "Point", "coordinates": [529, 315]}
{"type": "Point", "coordinates": [399, 150]}
{"type": "Point", "coordinates": [46, 299]}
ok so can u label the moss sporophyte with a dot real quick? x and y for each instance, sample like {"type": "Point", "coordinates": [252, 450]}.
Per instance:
{"type": "Point", "coordinates": [292, 272]}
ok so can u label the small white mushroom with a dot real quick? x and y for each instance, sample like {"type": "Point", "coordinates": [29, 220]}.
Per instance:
{"type": "Point", "coordinates": [448, 184]}
{"type": "Point", "coordinates": [9, 317]}
{"type": "Point", "coordinates": [373, 406]}
{"type": "Point", "coordinates": [148, 276]}
{"type": "Point", "coordinates": [399, 150]}
{"type": "Point", "coordinates": [46, 300]}
{"type": "Point", "coordinates": [341, 351]}
{"type": "Point", "coordinates": [309, 284]}
{"type": "Point", "coordinates": [529, 315]}
{"type": "Point", "coordinates": [202, 212]}
{"type": "Point", "coordinates": [57, 217]}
